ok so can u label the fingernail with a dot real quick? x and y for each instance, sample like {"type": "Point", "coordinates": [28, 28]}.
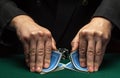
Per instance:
{"type": "Point", "coordinates": [46, 65]}
{"type": "Point", "coordinates": [38, 69]}
{"type": "Point", "coordinates": [83, 64]}
{"type": "Point", "coordinates": [32, 69]}
{"type": "Point", "coordinates": [96, 69]}
{"type": "Point", "coordinates": [90, 69]}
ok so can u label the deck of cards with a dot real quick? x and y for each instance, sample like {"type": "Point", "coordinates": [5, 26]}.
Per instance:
{"type": "Point", "coordinates": [55, 64]}
{"type": "Point", "coordinates": [75, 64]}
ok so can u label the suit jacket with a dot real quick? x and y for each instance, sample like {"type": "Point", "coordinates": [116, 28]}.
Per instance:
{"type": "Point", "coordinates": [62, 17]}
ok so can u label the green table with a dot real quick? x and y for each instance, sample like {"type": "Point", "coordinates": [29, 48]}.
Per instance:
{"type": "Point", "coordinates": [14, 67]}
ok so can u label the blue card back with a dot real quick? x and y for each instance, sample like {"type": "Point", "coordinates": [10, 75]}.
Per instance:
{"type": "Point", "coordinates": [75, 60]}
{"type": "Point", "coordinates": [55, 59]}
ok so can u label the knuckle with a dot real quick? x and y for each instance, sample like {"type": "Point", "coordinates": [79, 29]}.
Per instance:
{"type": "Point", "coordinates": [82, 51]}
{"type": "Point", "coordinates": [40, 52]}
{"type": "Point", "coordinates": [48, 51]}
{"type": "Point", "coordinates": [99, 52]}
{"type": "Point", "coordinates": [32, 52]}
{"type": "Point", "coordinates": [26, 50]}
{"type": "Point", "coordinates": [88, 33]}
{"type": "Point", "coordinates": [26, 38]}
{"type": "Point", "coordinates": [90, 52]}
{"type": "Point", "coordinates": [99, 34]}
{"type": "Point", "coordinates": [102, 35]}
{"type": "Point", "coordinates": [33, 34]}
{"type": "Point", "coordinates": [106, 37]}
{"type": "Point", "coordinates": [83, 32]}
{"type": "Point", "coordinates": [40, 33]}
{"type": "Point", "coordinates": [48, 34]}
{"type": "Point", "coordinates": [36, 34]}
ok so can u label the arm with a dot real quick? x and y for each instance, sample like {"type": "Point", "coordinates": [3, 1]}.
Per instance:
{"type": "Point", "coordinates": [109, 9]}
{"type": "Point", "coordinates": [8, 10]}
{"type": "Point", "coordinates": [92, 39]}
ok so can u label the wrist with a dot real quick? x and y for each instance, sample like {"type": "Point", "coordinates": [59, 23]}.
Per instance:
{"type": "Point", "coordinates": [102, 21]}
{"type": "Point", "coordinates": [20, 20]}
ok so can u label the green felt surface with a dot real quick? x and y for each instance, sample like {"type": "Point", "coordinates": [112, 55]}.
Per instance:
{"type": "Point", "coordinates": [14, 67]}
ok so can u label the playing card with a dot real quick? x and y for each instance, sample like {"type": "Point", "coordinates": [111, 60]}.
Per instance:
{"type": "Point", "coordinates": [55, 59]}
{"type": "Point", "coordinates": [70, 66]}
{"type": "Point", "coordinates": [75, 61]}
{"type": "Point", "coordinates": [60, 66]}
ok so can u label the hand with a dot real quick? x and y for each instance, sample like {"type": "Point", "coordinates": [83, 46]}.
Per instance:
{"type": "Point", "coordinates": [37, 41]}
{"type": "Point", "coordinates": [92, 40]}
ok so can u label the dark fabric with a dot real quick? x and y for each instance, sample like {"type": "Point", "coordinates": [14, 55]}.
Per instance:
{"type": "Point", "coordinates": [8, 10]}
{"type": "Point", "coordinates": [109, 9]}
{"type": "Point", "coordinates": [62, 17]}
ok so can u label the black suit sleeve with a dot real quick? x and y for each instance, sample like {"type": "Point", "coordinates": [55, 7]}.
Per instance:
{"type": "Point", "coordinates": [8, 10]}
{"type": "Point", "coordinates": [110, 9]}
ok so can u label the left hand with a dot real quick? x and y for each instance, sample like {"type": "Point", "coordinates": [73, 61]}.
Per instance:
{"type": "Point", "coordinates": [92, 40]}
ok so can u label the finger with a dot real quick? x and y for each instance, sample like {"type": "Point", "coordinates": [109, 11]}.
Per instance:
{"type": "Point", "coordinates": [25, 43]}
{"type": "Point", "coordinates": [54, 44]}
{"type": "Point", "coordinates": [32, 54]}
{"type": "Point", "coordinates": [82, 52]}
{"type": "Point", "coordinates": [90, 54]}
{"type": "Point", "coordinates": [48, 46]}
{"type": "Point", "coordinates": [40, 54]}
{"type": "Point", "coordinates": [75, 43]}
{"type": "Point", "coordinates": [26, 52]}
{"type": "Point", "coordinates": [98, 55]}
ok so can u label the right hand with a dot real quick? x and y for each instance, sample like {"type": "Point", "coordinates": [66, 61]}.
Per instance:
{"type": "Point", "coordinates": [37, 41]}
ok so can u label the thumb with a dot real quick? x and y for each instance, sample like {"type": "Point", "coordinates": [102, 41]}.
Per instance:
{"type": "Point", "coordinates": [54, 44]}
{"type": "Point", "coordinates": [75, 43]}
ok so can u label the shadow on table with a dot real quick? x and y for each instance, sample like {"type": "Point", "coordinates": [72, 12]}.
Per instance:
{"type": "Point", "coordinates": [14, 66]}
{"type": "Point", "coordinates": [110, 61]}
